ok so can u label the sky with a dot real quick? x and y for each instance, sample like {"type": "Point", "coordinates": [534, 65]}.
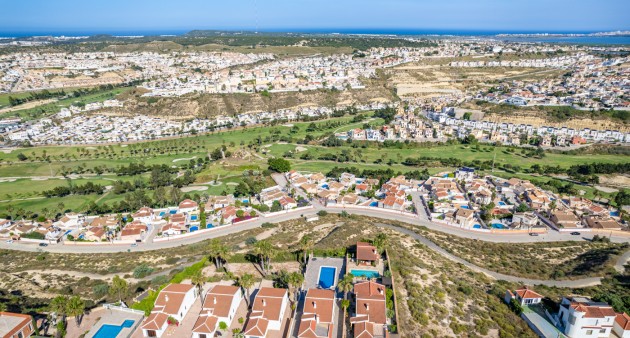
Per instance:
{"type": "Point", "coordinates": [176, 16]}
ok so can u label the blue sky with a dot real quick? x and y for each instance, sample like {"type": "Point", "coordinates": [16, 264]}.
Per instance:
{"type": "Point", "coordinates": [111, 16]}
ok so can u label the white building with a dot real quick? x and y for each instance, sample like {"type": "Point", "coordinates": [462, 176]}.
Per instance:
{"type": "Point", "coordinates": [582, 318]}
{"type": "Point", "coordinates": [175, 300]}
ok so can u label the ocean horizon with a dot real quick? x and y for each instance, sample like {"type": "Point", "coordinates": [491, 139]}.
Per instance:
{"type": "Point", "coordinates": [607, 40]}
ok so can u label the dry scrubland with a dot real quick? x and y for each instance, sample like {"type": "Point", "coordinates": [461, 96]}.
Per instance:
{"type": "Point", "coordinates": [435, 296]}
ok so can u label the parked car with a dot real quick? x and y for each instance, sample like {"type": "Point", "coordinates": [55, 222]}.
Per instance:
{"type": "Point", "coordinates": [43, 244]}
{"type": "Point", "coordinates": [533, 234]}
{"type": "Point", "coordinates": [134, 244]}
{"type": "Point", "coordinates": [575, 233]}
{"type": "Point", "coordinates": [9, 241]}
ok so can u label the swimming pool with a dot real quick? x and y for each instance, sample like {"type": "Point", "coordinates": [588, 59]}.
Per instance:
{"type": "Point", "coordinates": [193, 228]}
{"type": "Point", "coordinates": [112, 331]}
{"type": "Point", "coordinates": [614, 213]}
{"type": "Point", "coordinates": [498, 226]}
{"type": "Point", "coordinates": [193, 217]}
{"type": "Point", "coordinates": [327, 277]}
{"type": "Point", "coordinates": [465, 207]}
{"type": "Point", "coordinates": [365, 273]}
{"type": "Point", "coordinates": [477, 226]}
{"type": "Point", "coordinates": [374, 204]}
{"type": "Point", "coordinates": [246, 201]}
{"type": "Point", "coordinates": [172, 212]}
{"type": "Point", "coordinates": [501, 203]}
{"type": "Point", "coordinates": [162, 213]}
{"type": "Point", "coordinates": [325, 186]}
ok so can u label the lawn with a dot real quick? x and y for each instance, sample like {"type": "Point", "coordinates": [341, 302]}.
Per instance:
{"type": "Point", "coordinates": [54, 107]}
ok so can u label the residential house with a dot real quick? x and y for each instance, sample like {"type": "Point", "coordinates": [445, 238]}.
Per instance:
{"type": "Point", "coordinates": [318, 314]}
{"type": "Point", "coordinates": [524, 296]}
{"type": "Point", "coordinates": [622, 325]}
{"type": "Point", "coordinates": [188, 206]}
{"type": "Point", "coordinates": [218, 202]}
{"type": "Point", "coordinates": [16, 325]}
{"type": "Point", "coordinates": [175, 300]}
{"type": "Point", "coordinates": [134, 231]}
{"type": "Point", "coordinates": [144, 215]}
{"type": "Point", "coordinates": [605, 223]}
{"type": "Point", "coordinates": [565, 219]}
{"type": "Point", "coordinates": [370, 315]}
{"type": "Point", "coordinates": [524, 219]}
{"type": "Point", "coordinates": [96, 233]}
{"type": "Point", "coordinates": [581, 317]}
{"type": "Point", "coordinates": [464, 217]}
{"type": "Point", "coordinates": [309, 188]}
{"type": "Point", "coordinates": [220, 305]}
{"type": "Point", "coordinates": [267, 312]}
{"type": "Point", "coordinates": [367, 253]}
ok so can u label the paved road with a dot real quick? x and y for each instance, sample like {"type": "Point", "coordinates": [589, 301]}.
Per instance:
{"type": "Point", "coordinates": [402, 217]}
{"type": "Point", "coordinates": [552, 236]}
{"type": "Point", "coordinates": [565, 283]}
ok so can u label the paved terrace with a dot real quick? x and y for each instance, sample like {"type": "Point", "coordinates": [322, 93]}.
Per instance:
{"type": "Point", "coordinates": [116, 316]}
{"type": "Point", "coordinates": [311, 277]}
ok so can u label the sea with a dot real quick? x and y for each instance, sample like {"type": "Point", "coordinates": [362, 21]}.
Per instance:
{"type": "Point", "coordinates": [420, 33]}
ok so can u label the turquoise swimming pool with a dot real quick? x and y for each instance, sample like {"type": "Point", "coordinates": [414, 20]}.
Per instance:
{"type": "Point", "coordinates": [365, 273]}
{"type": "Point", "coordinates": [112, 331]}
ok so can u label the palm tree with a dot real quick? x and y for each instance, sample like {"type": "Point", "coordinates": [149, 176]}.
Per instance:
{"type": "Point", "coordinates": [306, 243]}
{"type": "Point", "coordinates": [58, 305]}
{"type": "Point", "coordinates": [265, 251]}
{"type": "Point", "coordinates": [76, 308]}
{"type": "Point", "coordinates": [380, 241]}
{"type": "Point", "coordinates": [345, 285]}
{"type": "Point", "coordinates": [294, 280]}
{"type": "Point", "coordinates": [118, 288]}
{"type": "Point", "coordinates": [218, 251]}
{"type": "Point", "coordinates": [246, 281]}
{"type": "Point", "coordinates": [345, 304]}
{"type": "Point", "coordinates": [198, 279]}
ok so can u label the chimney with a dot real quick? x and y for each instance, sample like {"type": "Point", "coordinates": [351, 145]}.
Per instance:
{"type": "Point", "coordinates": [314, 305]}
{"type": "Point", "coordinates": [367, 306]}
{"type": "Point", "coordinates": [264, 303]}
{"type": "Point", "coordinates": [214, 300]}
{"type": "Point", "coordinates": [166, 298]}
{"type": "Point", "coordinates": [380, 291]}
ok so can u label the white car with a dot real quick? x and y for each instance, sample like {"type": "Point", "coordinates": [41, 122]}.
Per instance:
{"type": "Point", "coordinates": [10, 241]}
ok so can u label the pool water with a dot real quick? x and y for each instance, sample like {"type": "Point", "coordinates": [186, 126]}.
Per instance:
{"type": "Point", "coordinates": [193, 217]}
{"type": "Point", "coordinates": [327, 277]}
{"type": "Point", "coordinates": [465, 207]}
{"type": "Point", "coordinates": [365, 273]}
{"type": "Point", "coordinates": [374, 204]}
{"type": "Point", "coordinates": [112, 331]}
{"type": "Point", "coordinates": [477, 226]}
{"type": "Point", "coordinates": [193, 228]}
{"type": "Point", "coordinates": [172, 212]}
{"type": "Point", "coordinates": [325, 186]}
{"type": "Point", "coordinates": [162, 213]}
{"type": "Point", "coordinates": [501, 203]}
{"type": "Point", "coordinates": [245, 201]}
{"type": "Point", "coordinates": [614, 213]}
{"type": "Point", "coordinates": [498, 226]}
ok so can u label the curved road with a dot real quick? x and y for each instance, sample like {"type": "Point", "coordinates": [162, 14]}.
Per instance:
{"type": "Point", "coordinates": [577, 283]}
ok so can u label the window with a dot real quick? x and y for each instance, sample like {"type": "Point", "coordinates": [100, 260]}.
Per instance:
{"type": "Point", "coordinates": [151, 333]}
{"type": "Point", "coordinates": [20, 334]}
{"type": "Point", "coordinates": [572, 319]}
{"type": "Point", "coordinates": [202, 335]}
{"type": "Point", "coordinates": [602, 331]}
{"type": "Point", "coordinates": [589, 332]}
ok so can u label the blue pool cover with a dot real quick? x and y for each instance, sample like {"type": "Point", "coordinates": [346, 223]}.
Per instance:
{"type": "Point", "coordinates": [327, 277]}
